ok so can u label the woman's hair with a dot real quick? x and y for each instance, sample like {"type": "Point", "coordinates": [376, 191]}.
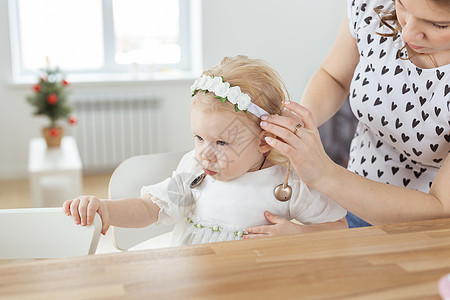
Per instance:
{"type": "Point", "coordinates": [256, 79]}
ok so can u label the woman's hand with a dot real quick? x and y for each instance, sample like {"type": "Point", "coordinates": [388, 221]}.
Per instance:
{"type": "Point", "coordinates": [83, 210]}
{"type": "Point", "coordinates": [280, 227]}
{"type": "Point", "coordinates": [303, 147]}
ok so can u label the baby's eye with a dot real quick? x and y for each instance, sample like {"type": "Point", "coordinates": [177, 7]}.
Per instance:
{"type": "Point", "coordinates": [222, 143]}
{"type": "Point", "coordinates": [199, 138]}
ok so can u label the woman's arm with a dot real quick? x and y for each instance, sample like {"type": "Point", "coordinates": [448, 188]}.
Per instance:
{"type": "Point", "coordinates": [377, 203]}
{"type": "Point", "coordinates": [380, 203]}
{"type": "Point", "coordinates": [329, 86]}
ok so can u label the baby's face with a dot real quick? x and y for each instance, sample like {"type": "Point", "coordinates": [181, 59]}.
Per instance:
{"type": "Point", "coordinates": [226, 146]}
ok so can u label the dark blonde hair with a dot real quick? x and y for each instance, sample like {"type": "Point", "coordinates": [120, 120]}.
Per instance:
{"type": "Point", "coordinates": [256, 79]}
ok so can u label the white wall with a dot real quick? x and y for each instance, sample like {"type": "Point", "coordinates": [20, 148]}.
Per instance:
{"type": "Point", "coordinates": [292, 35]}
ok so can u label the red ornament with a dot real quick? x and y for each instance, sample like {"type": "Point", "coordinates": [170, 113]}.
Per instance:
{"type": "Point", "coordinates": [73, 120]}
{"type": "Point", "coordinates": [65, 82]}
{"type": "Point", "coordinates": [37, 87]}
{"type": "Point", "coordinates": [52, 99]}
{"type": "Point", "coordinates": [54, 132]}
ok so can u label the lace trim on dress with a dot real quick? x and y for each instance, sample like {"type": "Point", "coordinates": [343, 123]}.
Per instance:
{"type": "Point", "coordinates": [200, 226]}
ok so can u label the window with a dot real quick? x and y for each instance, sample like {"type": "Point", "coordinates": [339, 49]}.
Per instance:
{"type": "Point", "coordinates": [100, 36]}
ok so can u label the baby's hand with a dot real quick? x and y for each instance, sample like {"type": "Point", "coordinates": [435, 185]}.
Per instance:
{"type": "Point", "coordinates": [83, 210]}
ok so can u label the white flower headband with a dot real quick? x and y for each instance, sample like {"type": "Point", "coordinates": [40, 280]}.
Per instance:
{"type": "Point", "coordinates": [224, 92]}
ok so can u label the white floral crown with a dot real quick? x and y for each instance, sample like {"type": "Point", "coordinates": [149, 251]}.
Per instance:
{"type": "Point", "coordinates": [224, 92]}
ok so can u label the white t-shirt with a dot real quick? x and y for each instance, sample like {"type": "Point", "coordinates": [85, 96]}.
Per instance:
{"type": "Point", "coordinates": [403, 134]}
{"type": "Point", "coordinates": [223, 210]}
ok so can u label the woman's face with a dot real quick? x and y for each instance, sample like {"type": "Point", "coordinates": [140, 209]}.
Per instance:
{"type": "Point", "coordinates": [425, 25]}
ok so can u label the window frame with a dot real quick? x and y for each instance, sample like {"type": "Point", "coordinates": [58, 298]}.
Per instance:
{"type": "Point", "coordinates": [189, 38]}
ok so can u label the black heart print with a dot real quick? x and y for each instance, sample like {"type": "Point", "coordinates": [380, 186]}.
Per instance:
{"type": "Point", "coordinates": [398, 70]}
{"type": "Point", "coordinates": [409, 106]}
{"type": "Point", "coordinates": [394, 170]}
{"type": "Point", "coordinates": [405, 89]}
{"type": "Point", "coordinates": [405, 138]}
{"type": "Point", "coordinates": [437, 111]}
{"type": "Point", "coordinates": [417, 152]}
{"type": "Point", "coordinates": [402, 158]}
{"type": "Point", "coordinates": [420, 136]}
{"type": "Point", "coordinates": [422, 100]}
{"type": "Point", "coordinates": [439, 74]}
{"type": "Point", "coordinates": [393, 106]}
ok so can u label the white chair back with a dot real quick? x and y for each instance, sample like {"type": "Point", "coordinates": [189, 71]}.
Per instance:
{"type": "Point", "coordinates": [45, 233]}
{"type": "Point", "coordinates": [128, 179]}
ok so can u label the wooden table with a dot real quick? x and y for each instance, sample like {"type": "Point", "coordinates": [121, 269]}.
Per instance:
{"type": "Point", "coordinates": [403, 261]}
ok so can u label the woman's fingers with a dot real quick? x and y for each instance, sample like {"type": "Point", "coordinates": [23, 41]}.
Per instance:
{"type": "Point", "coordinates": [304, 114]}
{"type": "Point", "coordinates": [288, 121]}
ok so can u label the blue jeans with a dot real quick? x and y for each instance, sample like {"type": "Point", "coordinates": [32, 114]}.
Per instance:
{"type": "Point", "coordinates": [354, 221]}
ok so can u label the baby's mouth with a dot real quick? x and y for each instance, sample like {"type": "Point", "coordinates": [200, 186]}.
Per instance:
{"type": "Point", "coordinates": [209, 172]}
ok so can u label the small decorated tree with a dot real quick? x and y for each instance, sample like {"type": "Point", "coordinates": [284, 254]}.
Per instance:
{"type": "Point", "coordinates": [50, 100]}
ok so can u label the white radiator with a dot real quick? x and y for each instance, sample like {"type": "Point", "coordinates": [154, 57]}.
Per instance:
{"type": "Point", "coordinates": [114, 127]}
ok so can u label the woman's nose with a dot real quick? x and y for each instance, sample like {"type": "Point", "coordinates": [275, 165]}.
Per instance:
{"type": "Point", "coordinates": [411, 31]}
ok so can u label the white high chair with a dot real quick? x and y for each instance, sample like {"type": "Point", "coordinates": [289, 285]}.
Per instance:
{"type": "Point", "coordinates": [45, 233]}
{"type": "Point", "coordinates": [128, 179]}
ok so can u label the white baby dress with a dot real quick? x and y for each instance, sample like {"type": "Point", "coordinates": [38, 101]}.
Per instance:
{"type": "Point", "coordinates": [223, 210]}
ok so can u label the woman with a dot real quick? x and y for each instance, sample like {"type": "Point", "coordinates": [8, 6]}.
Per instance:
{"type": "Point", "coordinates": [392, 58]}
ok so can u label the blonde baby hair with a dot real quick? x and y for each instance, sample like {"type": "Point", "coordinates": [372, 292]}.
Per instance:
{"type": "Point", "coordinates": [256, 79]}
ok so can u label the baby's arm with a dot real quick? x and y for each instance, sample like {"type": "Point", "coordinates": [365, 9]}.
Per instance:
{"type": "Point", "coordinates": [129, 212]}
{"type": "Point", "coordinates": [282, 226]}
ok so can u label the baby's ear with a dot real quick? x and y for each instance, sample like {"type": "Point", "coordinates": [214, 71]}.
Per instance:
{"type": "Point", "coordinates": [263, 146]}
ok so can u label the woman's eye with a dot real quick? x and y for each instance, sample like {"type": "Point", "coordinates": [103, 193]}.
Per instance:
{"type": "Point", "coordinates": [222, 143]}
{"type": "Point", "coordinates": [199, 138]}
{"type": "Point", "coordinates": [439, 26]}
